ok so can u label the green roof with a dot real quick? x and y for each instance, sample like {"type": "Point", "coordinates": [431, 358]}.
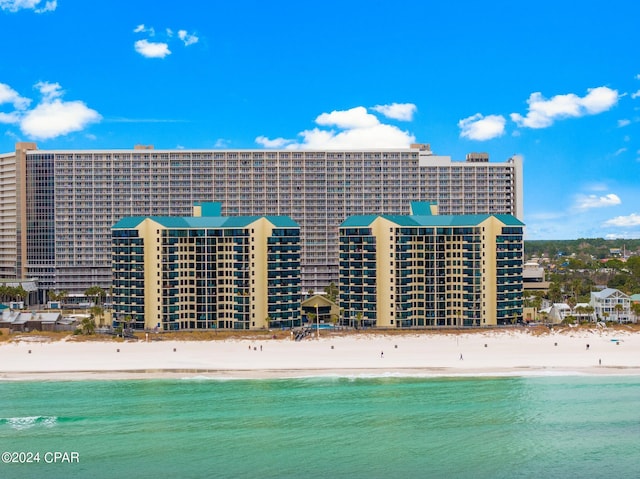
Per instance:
{"type": "Point", "coordinates": [360, 220]}
{"type": "Point", "coordinates": [430, 220]}
{"type": "Point", "coordinates": [210, 208]}
{"type": "Point", "coordinates": [205, 221]}
{"type": "Point", "coordinates": [422, 208]}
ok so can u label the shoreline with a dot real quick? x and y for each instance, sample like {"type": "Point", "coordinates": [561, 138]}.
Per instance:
{"type": "Point", "coordinates": [256, 375]}
{"type": "Point", "coordinates": [591, 352]}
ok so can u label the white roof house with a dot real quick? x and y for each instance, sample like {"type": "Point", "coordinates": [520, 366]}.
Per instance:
{"type": "Point", "coordinates": [558, 312]}
{"type": "Point", "coordinates": [581, 312]}
{"type": "Point", "coordinates": [611, 305]}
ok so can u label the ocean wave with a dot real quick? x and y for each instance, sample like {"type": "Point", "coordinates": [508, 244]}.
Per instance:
{"type": "Point", "coordinates": [27, 422]}
{"type": "Point", "coordinates": [204, 378]}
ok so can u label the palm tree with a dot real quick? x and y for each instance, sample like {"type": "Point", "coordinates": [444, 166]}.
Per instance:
{"type": "Point", "coordinates": [97, 293]}
{"type": "Point", "coordinates": [97, 312]}
{"type": "Point", "coordinates": [20, 293]}
{"type": "Point", "coordinates": [62, 295]}
{"type": "Point", "coordinates": [618, 308]}
{"type": "Point", "coordinates": [53, 296]}
{"type": "Point", "coordinates": [331, 292]}
{"type": "Point", "coordinates": [267, 321]}
{"type": "Point", "coordinates": [554, 294]}
{"type": "Point", "coordinates": [589, 310]}
{"type": "Point", "coordinates": [88, 326]}
{"type": "Point", "coordinates": [125, 323]}
{"type": "Point", "coordinates": [358, 319]}
{"type": "Point", "coordinates": [312, 318]}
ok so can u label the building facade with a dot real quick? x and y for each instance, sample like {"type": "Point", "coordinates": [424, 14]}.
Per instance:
{"type": "Point", "coordinates": [58, 206]}
{"type": "Point", "coordinates": [206, 272]}
{"type": "Point", "coordinates": [611, 305]}
{"type": "Point", "coordinates": [429, 270]}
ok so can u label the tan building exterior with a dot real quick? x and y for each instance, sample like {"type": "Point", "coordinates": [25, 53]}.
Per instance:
{"type": "Point", "coordinates": [206, 272]}
{"type": "Point", "coordinates": [429, 270]}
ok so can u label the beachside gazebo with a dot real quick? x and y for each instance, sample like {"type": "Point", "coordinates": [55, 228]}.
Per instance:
{"type": "Point", "coordinates": [323, 310]}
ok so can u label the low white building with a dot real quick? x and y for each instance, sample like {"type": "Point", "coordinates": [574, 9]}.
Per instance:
{"type": "Point", "coordinates": [584, 312]}
{"type": "Point", "coordinates": [558, 312]}
{"type": "Point", "coordinates": [611, 305]}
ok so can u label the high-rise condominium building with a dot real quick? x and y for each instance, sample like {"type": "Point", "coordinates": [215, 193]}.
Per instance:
{"type": "Point", "coordinates": [206, 271]}
{"type": "Point", "coordinates": [58, 206]}
{"type": "Point", "coordinates": [427, 270]}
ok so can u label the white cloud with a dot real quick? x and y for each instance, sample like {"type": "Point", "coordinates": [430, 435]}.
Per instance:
{"type": "Point", "coordinates": [585, 202]}
{"type": "Point", "coordinates": [632, 220]}
{"type": "Point", "coordinates": [160, 49]}
{"type": "Point", "coordinates": [49, 120]}
{"type": "Point", "coordinates": [143, 29]}
{"type": "Point", "coordinates": [619, 151]}
{"type": "Point", "coordinates": [52, 117]}
{"type": "Point", "coordinates": [187, 38]}
{"type": "Point", "coordinates": [38, 6]}
{"type": "Point", "coordinates": [275, 143]}
{"type": "Point", "coordinates": [13, 117]}
{"type": "Point", "coordinates": [479, 127]}
{"type": "Point", "coordinates": [397, 111]}
{"type": "Point", "coordinates": [357, 117]}
{"type": "Point", "coordinates": [543, 112]}
{"type": "Point", "coordinates": [599, 100]}
{"type": "Point", "coordinates": [377, 136]}
{"type": "Point", "coordinates": [49, 91]}
{"type": "Point", "coordinates": [353, 128]}
{"type": "Point", "coordinates": [637, 77]}
{"type": "Point", "coordinates": [9, 95]}
{"type": "Point", "coordinates": [635, 95]}
{"type": "Point", "coordinates": [152, 49]}
{"type": "Point", "coordinates": [221, 143]}
{"type": "Point", "coordinates": [624, 122]}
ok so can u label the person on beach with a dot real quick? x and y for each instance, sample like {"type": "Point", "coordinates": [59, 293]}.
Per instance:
{"type": "Point", "coordinates": [461, 357]}
{"type": "Point", "coordinates": [382, 354]}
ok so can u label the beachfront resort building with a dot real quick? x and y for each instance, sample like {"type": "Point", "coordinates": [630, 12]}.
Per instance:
{"type": "Point", "coordinates": [58, 206]}
{"type": "Point", "coordinates": [206, 271]}
{"type": "Point", "coordinates": [430, 270]}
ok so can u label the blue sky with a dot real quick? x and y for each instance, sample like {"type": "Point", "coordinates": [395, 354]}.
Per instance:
{"type": "Point", "coordinates": [556, 82]}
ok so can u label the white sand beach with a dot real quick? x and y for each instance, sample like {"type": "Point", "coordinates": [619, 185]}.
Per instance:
{"type": "Point", "coordinates": [491, 353]}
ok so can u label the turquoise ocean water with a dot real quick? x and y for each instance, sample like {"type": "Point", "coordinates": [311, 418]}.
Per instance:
{"type": "Point", "coordinates": [513, 427]}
